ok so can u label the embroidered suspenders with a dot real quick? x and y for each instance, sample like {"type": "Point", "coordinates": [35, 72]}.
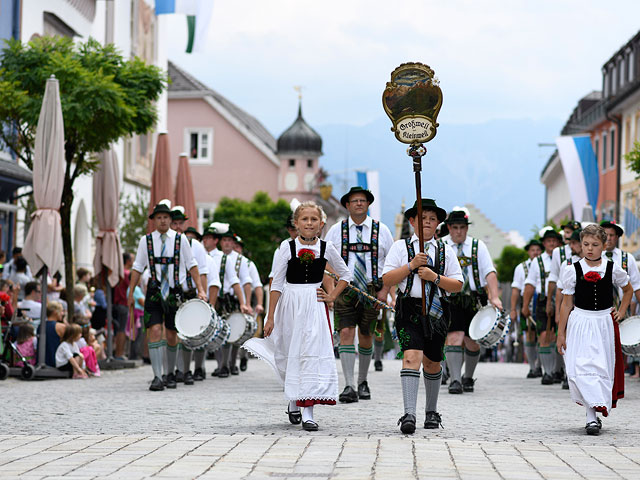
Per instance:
{"type": "Point", "coordinates": [223, 267]}
{"type": "Point", "coordinates": [543, 276]}
{"type": "Point", "coordinates": [625, 261]}
{"type": "Point", "coordinates": [238, 263]}
{"type": "Point", "coordinates": [563, 255]}
{"type": "Point", "coordinates": [525, 268]}
{"type": "Point", "coordinates": [175, 260]}
{"type": "Point", "coordinates": [372, 247]}
{"type": "Point", "coordinates": [474, 265]}
{"type": "Point", "coordinates": [411, 254]}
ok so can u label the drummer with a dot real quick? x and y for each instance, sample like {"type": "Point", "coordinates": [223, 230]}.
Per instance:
{"type": "Point", "coordinates": [161, 251]}
{"type": "Point", "coordinates": [538, 282]}
{"type": "Point", "coordinates": [178, 220]}
{"type": "Point", "coordinates": [533, 249]}
{"type": "Point", "coordinates": [621, 258]}
{"type": "Point", "coordinates": [480, 285]}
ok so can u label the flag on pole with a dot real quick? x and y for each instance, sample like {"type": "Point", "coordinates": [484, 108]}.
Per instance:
{"type": "Point", "coordinates": [198, 14]}
{"type": "Point", "coordinates": [580, 168]}
{"type": "Point", "coordinates": [370, 180]}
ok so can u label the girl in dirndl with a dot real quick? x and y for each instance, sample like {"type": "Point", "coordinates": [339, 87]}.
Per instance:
{"type": "Point", "coordinates": [298, 341]}
{"type": "Point", "coordinates": [588, 335]}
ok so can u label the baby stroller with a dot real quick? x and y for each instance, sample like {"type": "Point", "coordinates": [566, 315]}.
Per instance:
{"type": "Point", "coordinates": [8, 352]}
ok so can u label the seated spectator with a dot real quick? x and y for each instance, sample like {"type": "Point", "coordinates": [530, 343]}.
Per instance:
{"type": "Point", "coordinates": [31, 306]}
{"type": "Point", "coordinates": [99, 316]}
{"type": "Point", "coordinates": [79, 306]}
{"type": "Point", "coordinates": [83, 277]}
{"type": "Point", "coordinates": [27, 344]}
{"type": "Point", "coordinates": [20, 276]}
{"type": "Point", "coordinates": [89, 346]}
{"type": "Point", "coordinates": [68, 356]}
{"type": "Point", "coordinates": [9, 267]}
{"type": "Point", "coordinates": [3, 260]}
{"type": "Point", "coordinates": [56, 327]}
{"type": "Point", "coordinates": [7, 308]}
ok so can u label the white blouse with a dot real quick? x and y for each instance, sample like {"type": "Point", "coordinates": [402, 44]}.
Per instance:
{"type": "Point", "coordinates": [619, 276]}
{"type": "Point", "coordinates": [283, 255]}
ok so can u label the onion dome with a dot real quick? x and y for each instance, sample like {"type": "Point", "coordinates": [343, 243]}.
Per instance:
{"type": "Point", "coordinates": [300, 138]}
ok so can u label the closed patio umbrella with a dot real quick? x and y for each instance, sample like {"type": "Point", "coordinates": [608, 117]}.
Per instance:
{"type": "Point", "coordinates": [185, 195]}
{"type": "Point", "coordinates": [161, 178]}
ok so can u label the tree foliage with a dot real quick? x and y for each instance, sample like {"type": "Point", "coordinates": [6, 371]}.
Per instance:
{"type": "Point", "coordinates": [260, 223]}
{"type": "Point", "coordinates": [633, 159]}
{"type": "Point", "coordinates": [133, 220]}
{"type": "Point", "coordinates": [508, 261]}
{"type": "Point", "coordinates": [104, 97]}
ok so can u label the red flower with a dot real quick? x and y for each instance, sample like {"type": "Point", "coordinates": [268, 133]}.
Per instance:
{"type": "Point", "coordinates": [306, 256]}
{"type": "Point", "coordinates": [592, 277]}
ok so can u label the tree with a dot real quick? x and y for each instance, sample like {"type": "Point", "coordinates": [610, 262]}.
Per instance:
{"type": "Point", "coordinates": [633, 159]}
{"type": "Point", "coordinates": [104, 98]}
{"type": "Point", "coordinates": [133, 220]}
{"type": "Point", "coordinates": [260, 223]}
{"type": "Point", "coordinates": [509, 259]}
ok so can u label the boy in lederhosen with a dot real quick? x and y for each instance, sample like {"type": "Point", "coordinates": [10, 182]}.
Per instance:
{"type": "Point", "coordinates": [168, 256]}
{"type": "Point", "coordinates": [422, 337]}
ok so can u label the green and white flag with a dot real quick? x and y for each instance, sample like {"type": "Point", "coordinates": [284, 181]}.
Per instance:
{"type": "Point", "coordinates": [198, 14]}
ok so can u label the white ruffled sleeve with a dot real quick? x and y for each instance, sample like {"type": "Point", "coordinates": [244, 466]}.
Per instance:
{"type": "Point", "coordinates": [280, 261]}
{"type": "Point", "coordinates": [619, 276]}
{"type": "Point", "coordinates": [568, 280]}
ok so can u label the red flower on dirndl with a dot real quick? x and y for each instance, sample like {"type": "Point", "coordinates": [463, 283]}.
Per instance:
{"type": "Point", "coordinates": [592, 277]}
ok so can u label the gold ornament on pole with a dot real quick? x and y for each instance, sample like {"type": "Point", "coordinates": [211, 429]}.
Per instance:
{"type": "Point", "coordinates": [412, 100]}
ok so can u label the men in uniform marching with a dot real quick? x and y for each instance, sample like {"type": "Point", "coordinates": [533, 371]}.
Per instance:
{"type": "Point", "coordinates": [528, 331]}
{"type": "Point", "coordinates": [364, 244]}
{"type": "Point", "coordinates": [480, 285]}
{"type": "Point", "coordinates": [538, 282]}
{"type": "Point", "coordinates": [173, 271]}
{"type": "Point", "coordinates": [622, 259]}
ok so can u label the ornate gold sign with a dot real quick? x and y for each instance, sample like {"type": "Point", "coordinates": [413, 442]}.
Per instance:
{"type": "Point", "coordinates": [412, 100]}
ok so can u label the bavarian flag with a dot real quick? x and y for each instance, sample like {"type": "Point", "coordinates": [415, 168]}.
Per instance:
{"type": "Point", "coordinates": [198, 14]}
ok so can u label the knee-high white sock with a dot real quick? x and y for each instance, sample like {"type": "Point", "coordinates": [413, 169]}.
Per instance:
{"type": "Point", "coordinates": [591, 414]}
{"type": "Point", "coordinates": [155, 355]}
{"type": "Point", "coordinates": [432, 386]}
{"type": "Point", "coordinates": [233, 356]}
{"type": "Point", "coordinates": [378, 349]}
{"type": "Point", "coordinates": [199, 356]}
{"type": "Point", "coordinates": [364, 360]}
{"type": "Point", "coordinates": [471, 359]}
{"type": "Point", "coordinates": [165, 362]}
{"type": "Point", "coordinates": [220, 356]}
{"type": "Point", "coordinates": [307, 414]}
{"type": "Point", "coordinates": [293, 406]}
{"type": "Point", "coordinates": [410, 380]}
{"type": "Point", "coordinates": [180, 361]}
{"type": "Point", "coordinates": [172, 353]}
{"type": "Point", "coordinates": [454, 355]}
{"type": "Point", "coordinates": [532, 354]}
{"type": "Point", "coordinates": [186, 358]}
{"type": "Point", "coordinates": [546, 359]}
{"type": "Point", "coordinates": [348, 362]}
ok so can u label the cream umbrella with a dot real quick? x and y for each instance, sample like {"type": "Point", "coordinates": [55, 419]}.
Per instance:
{"type": "Point", "coordinates": [185, 195]}
{"type": "Point", "coordinates": [43, 247]}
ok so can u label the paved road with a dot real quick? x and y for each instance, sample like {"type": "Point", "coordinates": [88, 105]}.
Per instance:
{"type": "Point", "coordinates": [114, 427]}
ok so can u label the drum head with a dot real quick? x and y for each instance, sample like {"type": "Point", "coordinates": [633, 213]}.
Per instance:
{"type": "Point", "coordinates": [193, 317]}
{"type": "Point", "coordinates": [630, 331]}
{"type": "Point", "coordinates": [237, 325]}
{"type": "Point", "coordinates": [482, 322]}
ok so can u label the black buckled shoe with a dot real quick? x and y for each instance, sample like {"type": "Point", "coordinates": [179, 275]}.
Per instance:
{"type": "Point", "coordinates": [592, 428]}
{"type": "Point", "coordinates": [538, 372]}
{"type": "Point", "coordinates": [546, 379]}
{"type": "Point", "coordinates": [310, 426]}
{"type": "Point", "coordinates": [235, 370]}
{"type": "Point", "coordinates": [407, 423]}
{"type": "Point", "coordinates": [179, 376]}
{"type": "Point", "coordinates": [156, 385]}
{"type": "Point", "coordinates": [348, 395]}
{"type": "Point", "coordinates": [188, 378]}
{"type": "Point", "coordinates": [223, 372]}
{"type": "Point", "coordinates": [557, 377]}
{"type": "Point", "coordinates": [363, 391]}
{"type": "Point", "coordinates": [171, 381]}
{"type": "Point", "coordinates": [295, 416]}
{"type": "Point", "coordinates": [532, 374]}
{"type": "Point", "coordinates": [455, 387]}
{"type": "Point", "coordinates": [215, 373]}
{"type": "Point", "coordinates": [378, 365]}
{"type": "Point", "coordinates": [432, 420]}
{"type": "Point", "coordinates": [198, 375]}
{"type": "Point", "coordinates": [467, 384]}
{"type": "Point", "coordinates": [243, 364]}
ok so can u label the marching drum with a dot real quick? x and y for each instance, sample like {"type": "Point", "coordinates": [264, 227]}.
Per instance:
{"type": "Point", "coordinates": [489, 327]}
{"type": "Point", "coordinates": [630, 336]}
{"type": "Point", "coordinates": [241, 327]}
{"type": "Point", "coordinates": [220, 336]}
{"type": "Point", "coordinates": [197, 323]}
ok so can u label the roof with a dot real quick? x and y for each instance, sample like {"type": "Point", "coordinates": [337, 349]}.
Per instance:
{"type": "Point", "coordinates": [183, 85]}
{"type": "Point", "coordinates": [14, 171]}
{"type": "Point", "coordinates": [300, 138]}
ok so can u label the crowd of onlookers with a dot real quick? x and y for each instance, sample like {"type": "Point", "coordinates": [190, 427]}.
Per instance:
{"type": "Point", "coordinates": [76, 328]}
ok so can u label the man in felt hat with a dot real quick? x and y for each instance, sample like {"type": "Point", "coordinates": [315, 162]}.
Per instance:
{"type": "Point", "coordinates": [167, 254]}
{"type": "Point", "coordinates": [622, 258]}
{"type": "Point", "coordinates": [364, 244]}
{"type": "Point", "coordinates": [537, 282]}
{"type": "Point", "coordinates": [480, 285]}
{"type": "Point", "coordinates": [422, 337]}
{"type": "Point", "coordinates": [178, 219]}
{"type": "Point", "coordinates": [533, 249]}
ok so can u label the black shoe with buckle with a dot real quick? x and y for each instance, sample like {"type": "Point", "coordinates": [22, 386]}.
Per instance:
{"type": "Point", "coordinates": [557, 377]}
{"type": "Point", "coordinates": [223, 372]}
{"type": "Point", "coordinates": [538, 372]}
{"type": "Point", "coordinates": [363, 391]}
{"type": "Point", "coordinates": [378, 365]}
{"type": "Point", "coordinates": [295, 416]}
{"type": "Point", "coordinates": [198, 375]}
{"type": "Point", "coordinates": [407, 423]}
{"type": "Point", "coordinates": [532, 374]}
{"type": "Point", "coordinates": [215, 373]}
{"type": "Point", "coordinates": [310, 426]}
{"type": "Point", "coordinates": [188, 378]}
{"type": "Point", "coordinates": [467, 384]}
{"type": "Point", "coordinates": [432, 420]}
{"type": "Point", "coordinates": [546, 379]}
{"type": "Point", "coordinates": [171, 381]}
{"type": "Point", "coordinates": [179, 376]}
{"type": "Point", "coordinates": [455, 387]}
{"type": "Point", "coordinates": [156, 385]}
{"type": "Point", "coordinates": [592, 428]}
{"type": "Point", "coordinates": [243, 364]}
{"type": "Point", "coordinates": [348, 395]}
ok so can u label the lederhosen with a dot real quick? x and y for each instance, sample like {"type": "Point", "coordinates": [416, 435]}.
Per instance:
{"type": "Point", "coordinates": [350, 308]}
{"type": "Point", "coordinates": [464, 306]}
{"type": "Point", "coordinates": [156, 309]}
{"type": "Point", "coordinates": [415, 331]}
{"type": "Point", "coordinates": [541, 304]}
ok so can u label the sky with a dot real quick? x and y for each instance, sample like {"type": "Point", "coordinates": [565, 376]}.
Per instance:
{"type": "Point", "coordinates": [508, 59]}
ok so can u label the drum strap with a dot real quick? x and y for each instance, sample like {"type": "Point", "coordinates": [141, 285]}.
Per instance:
{"type": "Point", "coordinates": [439, 267]}
{"type": "Point", "coordinates": [372, 247]}
{"type": "Point", "coordinates": [223, 267]}
{"type": "Point", "coordinates": [176, 262]}
{"type": "Point", "coordinates": [474, 265]}
{"type": "Point", "coordinates": [153, 260]}
{"type": "Point", "coordinates": [190, 283]}
{"type": "Point", "coordinates": [543, 276]}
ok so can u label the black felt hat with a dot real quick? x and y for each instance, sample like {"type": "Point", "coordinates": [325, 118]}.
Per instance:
{"type": "Point", "coordinates": [162, 207]}
{"type": "Point", "coordinates": [289, 223]}
{"type": "Point", "coordinates": [458, 216]}
{"type": "Point", "coordinates": [551, 233]}
{"type": "Point", "coordinates": [572, 224]}
{"type": "Point", "coordinates": [216, 229]}
{"type": "Point", "coordinates": [345, 197]}
{"type": "Point", "coordinates": [611, 224]}
{"type": "Point", "coordinates": [427, 204]}
{"type": "Point", "coordinates": [194, 232]}
{"type": "Point", "coordinates": [532, 243]}
{"type": "Point", "coordinates": [575, 235]}
{"type": "Point", "coordinates": [177, 213]}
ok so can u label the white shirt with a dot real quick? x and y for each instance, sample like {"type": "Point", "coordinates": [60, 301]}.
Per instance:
{"type": "Point", "coordinates": [519, 276]}
{"type": "Point", "coordinates": [187, 262]}
{"type": "Point", "coordinates": [200, 254]}
{"type": "Point", "coordinates": [273, 262]}
{"type": "Point", "coordinates": [399, 257]}
{"type": "Point", "coordinates": [283, 255]}
{"type": "Point", "coordinates": [240, 276]}
{"type": "Point", "coordinates": [34, 309]}
{"type": "Point", "coordinates": [618, 276]}
{"type": "Point", "coordinates": [485, 264]}
{"type": "Point", "coordinates": [9, 268]}
{"type": "Point", "coordinates": [213, 277]}
{"type": "Point", "coordinates": [385, 241]}
{"type": "Point", "coordinates": [534, 273]}
{"type": "Point", "coordinates": [632, 267]}
{"type": "Point", "coordinates": [566, 264]}
{"type": "Point", "coordinates": [65, 351]}
{"type": "Point", "coordinates": [554, 272]}
{"type": "Point", "coordinates": [255, 275]}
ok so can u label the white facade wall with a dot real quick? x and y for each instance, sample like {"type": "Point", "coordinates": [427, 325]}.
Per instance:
{"type": "Point", "coordinates": [558, 197]}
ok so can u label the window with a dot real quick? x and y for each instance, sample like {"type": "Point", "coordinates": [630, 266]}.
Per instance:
{"type": "Point", "coordinates": [613, 80]}
{"type": "Point", "coordinates": [604, 151]}
{"type": "Point", "coordinates": [612, 139]}
{"type": "Point", "coordinates": [198, 143]}
{"type": "Point", "coordinates": [631, 65]}
{"type": "Point", "coordinates": [292, 163]}
{"type": "Point", "coordinates": [596, 149]}
{"type": "Point", "coordinates": [623, 72]}
{"type": "Point", "coordinates": [310, 163]}
{"type": "Point", "coordinates": [605, 88]}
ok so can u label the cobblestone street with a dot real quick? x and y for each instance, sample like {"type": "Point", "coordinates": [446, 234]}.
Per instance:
{"type": "Point", "coordinates": [510, 427]}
